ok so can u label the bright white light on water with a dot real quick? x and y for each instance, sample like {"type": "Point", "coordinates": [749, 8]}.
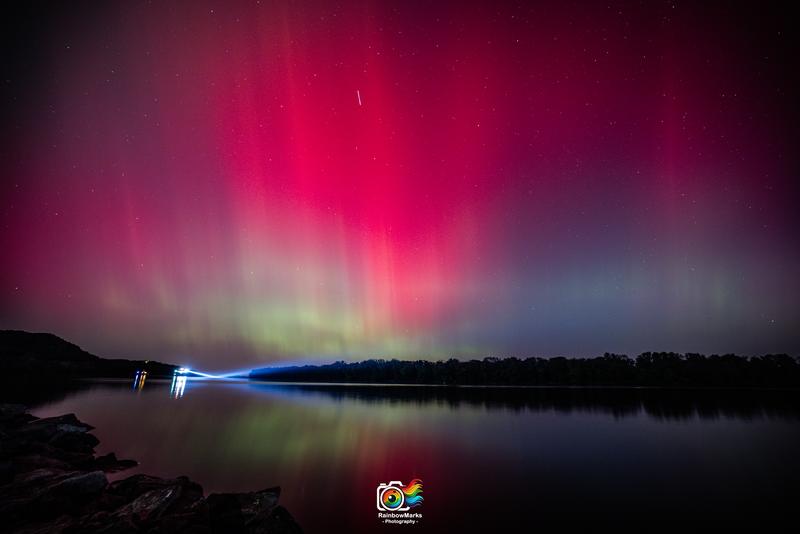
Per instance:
{"type": "Point", "coordinates": [178, 386]}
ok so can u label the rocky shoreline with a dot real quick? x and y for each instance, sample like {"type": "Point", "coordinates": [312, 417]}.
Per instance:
{"type": "Point", "coordinates": [51, 481]}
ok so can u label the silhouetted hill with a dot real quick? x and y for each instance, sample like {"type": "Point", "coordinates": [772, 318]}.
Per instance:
{"type": "Point", "coordinates": [25, 355]}
{"type": "Point", "coordinates": [659, 369]}
{"type": "Point", "coordinates": [28, 346]}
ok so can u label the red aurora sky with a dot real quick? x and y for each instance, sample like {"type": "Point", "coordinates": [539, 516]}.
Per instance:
{"type": "Point", "coordinates": [232, 183]}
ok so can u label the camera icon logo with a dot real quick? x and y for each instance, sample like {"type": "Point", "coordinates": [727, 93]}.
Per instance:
{"type": "Point", "coordinates": [396, 497]}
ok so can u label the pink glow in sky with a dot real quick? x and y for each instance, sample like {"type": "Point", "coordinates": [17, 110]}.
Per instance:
{"type": "Point", "coordinates": [234, 183]}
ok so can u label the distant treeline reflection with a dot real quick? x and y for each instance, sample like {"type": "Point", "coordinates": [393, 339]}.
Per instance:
{"type": "Point", "coordinates": [619, 402]}
{"type": "Point", "coordinates": [664, 369]}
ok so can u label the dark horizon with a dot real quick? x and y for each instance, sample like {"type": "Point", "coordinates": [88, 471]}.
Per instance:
{"type": "Point", "coordinates": [45, 356]}
{"type": "Point", "coordinates": [669, 370]}
{"type": "Point", "coordinates": [21, 341]}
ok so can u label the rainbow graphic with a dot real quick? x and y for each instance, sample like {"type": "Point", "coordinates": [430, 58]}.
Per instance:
{"type": "Point", "coordinates": [413, 493]}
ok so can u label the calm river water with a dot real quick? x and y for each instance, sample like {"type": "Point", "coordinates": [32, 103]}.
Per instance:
{"type": "Point", "coordinates": [490, 459]}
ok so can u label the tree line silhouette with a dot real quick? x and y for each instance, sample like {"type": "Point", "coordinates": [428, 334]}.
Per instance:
{"type": "Point", "coordinates": [664, 369]}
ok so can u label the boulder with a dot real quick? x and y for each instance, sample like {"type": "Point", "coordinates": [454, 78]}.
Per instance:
{"type": "Point", "coordinates": [110, 464]}
{"type": "Point", "coordinates": [256, 511]}
{"type": "Point", "coordinates": [52, 482]}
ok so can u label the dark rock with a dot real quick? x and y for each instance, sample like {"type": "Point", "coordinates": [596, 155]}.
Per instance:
{"type": "Point", "coordinates": [249, 512]}
{"type": "Point", "coordinates": [225, 513]}
{"type": "Point", "coordinates": [43, 494]}
{"type": "Point", "coordinates": [279, 521]}
{"type": "Point", "coordinates": [150, 499]}
{"type": "Point", "coordinates": [51, 481]}
{"type": "Point", "coordinates": [64, 422]}
{"type": "Point", "coordinates": [150, 506]}
{"type": "Point", "coordinates": [62, 523]}
{"type": "Point", "coordinates": [111, 464]}
{"type": "Point", "coordinates": [74, 441]}
{"type": "Point", "coordinates": [38, 461]}
{"type": "Point", "coordinates": [14, 415]}
{"type": "Point", "coordinates": [156, 505]}
{"type": "Point", "coordinates": [9, 410]}
{"type": "Point", "coordinates": [52, 427]}
{"type": "Point", "coordinates": [79, 486]}
{"type": "Point", "coordinates": [259, 502]}
{"type": "Point", "coordinates": [136, 485]}
{"type": "Point", "coordinates": [237, 508]}
{"type": "Point", "coordinates": [37, 477]}
{"type": "Point", "coordinates": [6, 471]}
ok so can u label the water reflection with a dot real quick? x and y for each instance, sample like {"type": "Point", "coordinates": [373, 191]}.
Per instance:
{"type": "Point", "coordinates": [547, 451]}
{"type": "Point", "coordinates": [176, 389]}
{"type": "Point", "coordinates": [655, 403]}
{"type": "Point", "coordinates": [139, 379]}
{"type": "Point", "coordinates": [178, 386]}
{"type": "Point", "coordinates": [666, 404]}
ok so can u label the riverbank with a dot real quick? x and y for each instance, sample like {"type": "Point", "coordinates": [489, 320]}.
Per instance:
{"type": "Point", "coordinates": [649, 369]}
{"type": "Point", "coordinates": [52, 481]}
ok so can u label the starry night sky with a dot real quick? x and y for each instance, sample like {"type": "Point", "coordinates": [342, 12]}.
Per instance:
{"type": "Point", "coordinates": [230, 183]}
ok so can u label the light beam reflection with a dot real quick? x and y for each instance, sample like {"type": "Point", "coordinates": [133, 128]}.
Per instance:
{"type": "Point", "coordinates": [138, 380]}
{"type": "Point", "coordinates": [178, 386]}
